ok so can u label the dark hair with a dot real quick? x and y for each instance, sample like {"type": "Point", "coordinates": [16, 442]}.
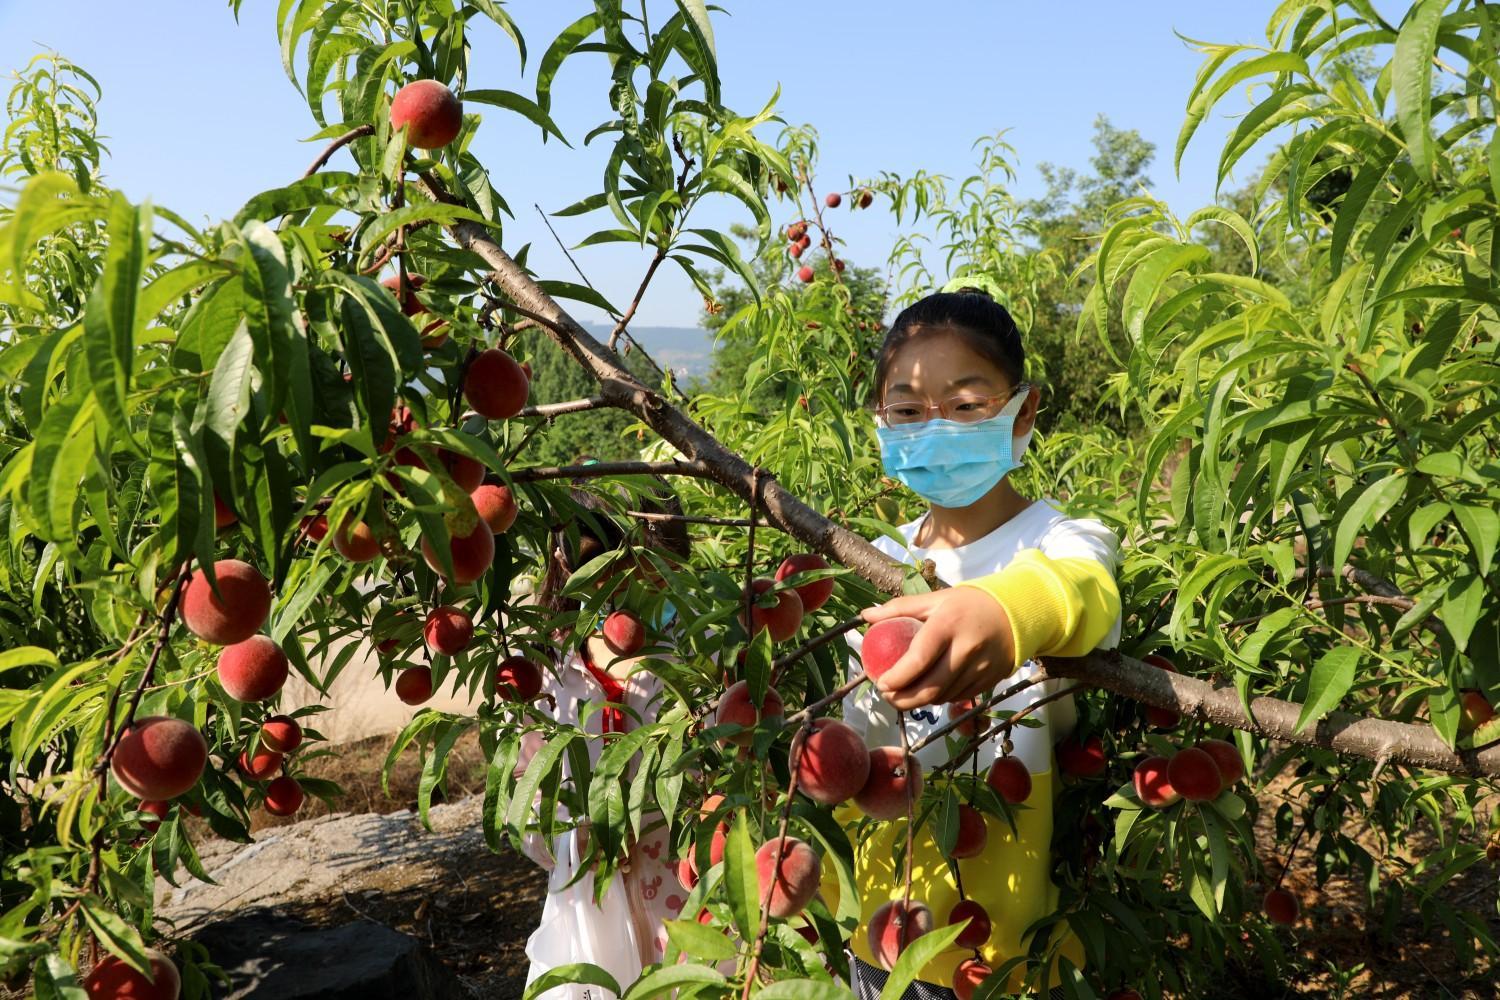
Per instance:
{"type": "Point", "coordinates": [984, 325]}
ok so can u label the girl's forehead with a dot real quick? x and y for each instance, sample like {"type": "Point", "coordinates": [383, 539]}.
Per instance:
{"type": "Point", "coordinates": [941, 361]}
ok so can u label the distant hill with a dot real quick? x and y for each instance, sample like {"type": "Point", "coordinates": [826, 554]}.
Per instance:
{"type": "Point", "coordinates": [687, 350]}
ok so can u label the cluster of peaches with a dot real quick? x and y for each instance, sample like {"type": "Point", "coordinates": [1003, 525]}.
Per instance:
{"type": "Point", "coordinates": [798, 240]}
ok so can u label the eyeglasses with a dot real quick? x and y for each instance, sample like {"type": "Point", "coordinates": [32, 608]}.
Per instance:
{"type": "Point", "coordinates": [969, 408]}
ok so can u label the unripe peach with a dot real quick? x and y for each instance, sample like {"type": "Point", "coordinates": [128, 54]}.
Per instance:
{"type": "Point", "coordinates": [787, 887]}
{"type": "Point", "coordinates": [253, 670]}
{"type": "Point", "coordinates": [1281, 907]}
{"type": "Point", "coordinates": [1227, 757]}
{"type": "Point", "coordinates": [832, 762]}
{"type": "Point", "coordinates": [978, 931]}
{"type": "Point", "coordinates": [833, 200]}
{"type": "Point", "coordinates": [429, 112]}
{"type": "Point", "coordinates": [1010, 779]}
{"type": "Point", "coordinates": [1161, 718]}
{"type": "Point", "coordinates": [159, 758]}
{"type": "Point", "coordinates": [496, 506]}
{"type": "Point", "coordinates": [624, 633]}
{"type": "Point", "coordinates": [886, 642]}
{"type": "Point", "coordinates": [1081, 759]}
{"type": "Point", "coordinates": [973, 833]}
{"type": "Point", "coordinates": [112, 979]}
{"type": "Point", "coordinates": [355, 541]}
{"type": "Point", "coordinates": [410, 304]}
{"type": "Point", "coordinates": [1474, 710]}
{"type": "Point", "coordinates": [893, 776]}
{"type": "Point", "coordinates": [471, 554]}
{"type": "Point", "coordinates": [284, 796]}
{"type": "Point", "coordinates": [815, 594]}
{"type": "Point", "coordinates": [495, 385]}
{"type": "Point", "coordinates": [967, 977]}
{"type": "Point", "coordinates": [448, 630]}
{"type": "Point", "coordinates": [735, 707]}
{"type": "Point", "coordinates": [281, 733]}
{"type": "Point", "coordinates": [894, 926]}
{"type": "Point", "coordinates": [1194, 774]}
{"type": "Point", "coordinates": [783, 619]}
{"type": "Point", "coordinates": [223, 516]}
{"type": "Point", "coordinates": [264, 763]}
{"type": "Point", "coordinates": [233, 615]}
{"type": "Point", "coordinates": [518, 679]}
{"type": "Point", "coordinates": [414, 685]}
{"type": "Point", "coordinates": [1152, 785]}
{"type": "Point", "coordinates": [805, 274]}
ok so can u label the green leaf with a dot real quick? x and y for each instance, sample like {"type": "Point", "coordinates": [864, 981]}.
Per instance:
{"type": "Point", "coordinates": [741, 882]}
{"type": "Point", "coordinates": [697, 941]}
{"type": "Point", "coordinates": [804, 989]}
{"type": "Point", "coordinates": [1368, 508]}
{"type": "Point", "coordinates": [1482, 525]}
{"type": "Point", "coordinates": [567, 40]}
{"type": "Point", "coordinates": [1462, 603]}
{"type": "Point", "coordinates": [1332, 677]}
{"type": "Point", "coordinates": [1411, 68]}
{"type": "Point", "coordinates": [917, 954]}
{"type": "Point", "coordinates": [578, 293]}
{"type": "Point", "coordinates": [665, 981]}
{"type": "Point", "coordinates": [298, 196]}
{"type": "Point", "coordinates": [110, 319]}
{"type": "Point", "coordinates": [701, 54]}
{"type": "Point", "coordinates": [227, 404]}
{"type": "Point", "coordinates": [512, 101]}
{"type": "Point", "coordinates": [579, 972]}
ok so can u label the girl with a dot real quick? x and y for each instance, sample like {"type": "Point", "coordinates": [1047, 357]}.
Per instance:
{"type": "Point", "coordinates": [954, 417]}
{"type": "Point", "coordinates": [624, 932]}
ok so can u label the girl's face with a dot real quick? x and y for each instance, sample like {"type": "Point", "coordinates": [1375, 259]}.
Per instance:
{"type": "Point", "coordinates": [938, 369]}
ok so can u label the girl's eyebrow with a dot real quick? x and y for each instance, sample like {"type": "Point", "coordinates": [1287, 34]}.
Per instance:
{"type": "Point", "coordinates": [957, 383]}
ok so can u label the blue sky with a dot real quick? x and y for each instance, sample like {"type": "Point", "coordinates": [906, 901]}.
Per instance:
{"type": "Point", "coordinates": [200, 116]}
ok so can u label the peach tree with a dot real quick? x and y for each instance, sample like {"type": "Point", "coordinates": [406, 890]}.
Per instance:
{"type": "Point", "coordinates": [298, 437]}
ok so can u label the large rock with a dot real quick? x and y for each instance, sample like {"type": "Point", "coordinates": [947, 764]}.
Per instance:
{"type": "Point", "coordinates": [269, 955]}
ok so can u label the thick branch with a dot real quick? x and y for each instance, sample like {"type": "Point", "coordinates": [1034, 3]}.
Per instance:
{"type": "Point", "coordinates": [1414, 745]}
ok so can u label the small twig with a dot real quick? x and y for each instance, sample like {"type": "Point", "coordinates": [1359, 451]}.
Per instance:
{"type": "Point", "coordinates": [765, 903]}
{"type": "Point", "coordinates": [828, 699]}
{"type": "Point", "coordinates": [909, 762]}
{"type": "Point", "coordinates": [1297, 839]}
{"type": "Point", "coordinates": [355, 133]}
{"type": "Point", "coordinates": [723, 522]}
{"type": "Point", "coordinates": [595, 470]}
{"type": "Point", "coordinates": [531, 432]}
{"type": "Point", "coordinates": [979, 709]}
{"type": "Point", "coordinates": [1314, 603]}
{"type": "Point", "coordinates": [823, 639]}
{"type": "Point", "coordinates": [558, 409]}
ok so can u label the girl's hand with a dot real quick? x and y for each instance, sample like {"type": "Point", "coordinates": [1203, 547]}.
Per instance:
{"type": "Point", "coordinates": [963, 649]}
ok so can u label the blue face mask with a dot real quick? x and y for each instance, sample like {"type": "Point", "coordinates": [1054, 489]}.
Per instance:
{"type": "Point", "coordinates": [950, 464]}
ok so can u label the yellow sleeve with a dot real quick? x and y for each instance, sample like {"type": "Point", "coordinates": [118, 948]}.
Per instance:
{"type": "Point", "coordinates": [1057, 607]}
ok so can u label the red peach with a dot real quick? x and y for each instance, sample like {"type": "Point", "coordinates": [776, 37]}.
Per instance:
{"type": "Point", "coordinates": [967, 977]}
{"type": "Point", "coordinates": [1231, 765]}
{"type": "Point", "coordinates": [448, 630]}
{"type": "Point", "coordinates": [795, 250]}
{"type": "Point", "coordinates": [159, 758]}
{"type": "Point", "coordinates": [261, 766]}
{"type": "Point", "coordinates": [1010, 779]}
{"type": "Point", "coordinates": [833, 200]}
{"type": "Point", "coordinates": [866, 199]}
{"type": "Point", "coordinates": [787, 887]}
{"type": "Point", "coordinates": [410, 304]}
{"type": "Point", "coordinates": [495, 385]}
{"type": "Point", "coordinates": [894, 926]}
{"type": "Point", "coordinates": [893, 776]}
{"type": "Point", "coordinates": [429, 112]}
{"type": "Point", "coordinates": [223, 516]}
{"type": "Point", "coordinates": [467, 473]}
{"type": "Point", "coordinates": [687, 875]}
{"type": "Point", "coordinates": [832, 762]}
{"type": "Point", "coordinates": [969, 727]}
{"type": "Point", "coordinates": [1474, 710]}
{"type": "Point", "coordinates": [518, 679]}
{"type": "Point", "coordinates": [234, 614]}
{"type": "Point", "coordinates": [1152, 785]}
{"type": "Point", "coordinates": [253, 670]}
{"type": "Point", "coordinates": [281, 733]}
{"type": "Point", "coordinates": [284, 796]}
{"type": "Point", "coordinates": [112, 979]}
{"type": "Point", "coordinates": [355, 541]}
{"type": "Point", "coordinates": [978, 931]}
{"type": "Point", "coordinates": [839, 265]}
{"type": "Point", "coordinates": [1281, 907]}
{"type": "Point", "coordinates": [496, 506]}
{"type": "Point", "coordinates": [1193, 773]}
{"type": "Point", "coordinates": [736, 708]}
{"type": "Point", "coordinates": [973, 833]}
{"type": "Point", "coordinates": [315, 527]}
{"type": "Point", "coordinates": [886, 642]}
{"type": "Point", "coordinates": [783, 619]}
{"type": "Point", "coordinates": [815, 594]}
{"type": "Point", "coordinates": [414, 685]}
{"type": "Point", "coordinates": [805, 274]}
{"type": "Point", "coordinates": [796, 231]}
{"type": "Point", "coordinates": [1081, 759]}
{"type": "Point", "coordinates": [624, 633]}
{"type": "Point", "coordinates": [471, 554]}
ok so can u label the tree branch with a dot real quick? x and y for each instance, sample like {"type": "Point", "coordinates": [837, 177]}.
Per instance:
{"type": "Point", "coordinates": [595, 470]}
{"type": "Point", "coordinates": [357, 132]}
{"type": "Point", "coordinates": [558, 409]}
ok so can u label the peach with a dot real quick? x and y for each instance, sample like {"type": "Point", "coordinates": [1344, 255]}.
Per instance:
{"type": "Point", "coordinates": [978, 931]}
{"type": "Point", "coordinates": [1123, 993]}
{"type": "Point", "coordinates": [805, 274]}
{"type": "Point", "coordinates": [787, 887]}
{"type": "Point", "coordinates": [866, 199]}
{"type": "Point", "coordinates": [284, 796]}
{"type": "Point", "coordinates": [795, 250]}
{"type": "Point", "coordinates": [1152, 785]}
{"type": "Point", "coordinates": [1281, 907]}
{"type": "Point", "coordinates": [624, 633]}
{"type": "Point", "coordinates": [236, 612]}
{"type": "Point", "coordinates": [894, 926]}
{"type": "Point", "coordinates": [1195, 775]}
{"type": "Point", "coordinates": [967, 977]}
{"type": "Point", "coordinates": [448, 630]}
{"type": "Point", "coordinates": [156, 808]}
{"type": "Point", "coordinates": [1227, 756]}
{"type": "Point", "coordinates": [223, 516]}
{"type": "Point", "coordinates": [783, 619]}
{"type": "Point", "coordinates": [1010, 779]}
{"type": "Point", "coordinates": [834, 199]}
{"type": "Point", "coordinates": [886, 642]}
{"type": "Point", "coordinates": [159, 758]}
{"type": "Point", "coordinates": [414, 685]}
{"type": "Point", "coordinates": [973, 833]}
{"type": "Point", "coordinates": [471, 554]}
{"type": "Point", "coordinates": [410, 304]}
{"type": "Point", "coordinates": [281, 733]}
{"type": "Point", "coordinates": [314, 527]}
{"type": "Point", "coordinates": [355, 541]}
{"type": "Point", "coordinates": [796, 231]}
{"type": "Point", "coordinates": [720, 838]}
{"type": "Point", "coordinates": [687, 875]}
{"type": "Point", "coordinates": [1474, 710]}
{"type": "Point", "coordinates": [832, 762]}
{"type": "Point", "coordinates": [518, 679]}
{"type": "Point", "coordinates": [1161, 718]}
{"type": "Point", "coordinates": [429, 112]}
{"type": "Point", "coordinates": [112, 979]}
{"type": "Point", "coordinates": [495, 385]}
{"type": "Point", "coordinates": [893, 776]}
{"type": "Point", "coordinates": [969, 727]}
{"type": "Point", "coordinates": [262, 765]}
{"type": "Point", "coordinates": [467, 473]}
{"type": "Point", "coordinates": [736, 708]}
{"type": "Point", "coordinates": [253, 670]}
{"type": "Point", "coordinates": [805, 241]}
{"type": "Point", "coordinates": [815, 594]}
{"type": "Point", "coordinates": [496, 506]}
{"type": "Point", "coordinates": [1081, 759]}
